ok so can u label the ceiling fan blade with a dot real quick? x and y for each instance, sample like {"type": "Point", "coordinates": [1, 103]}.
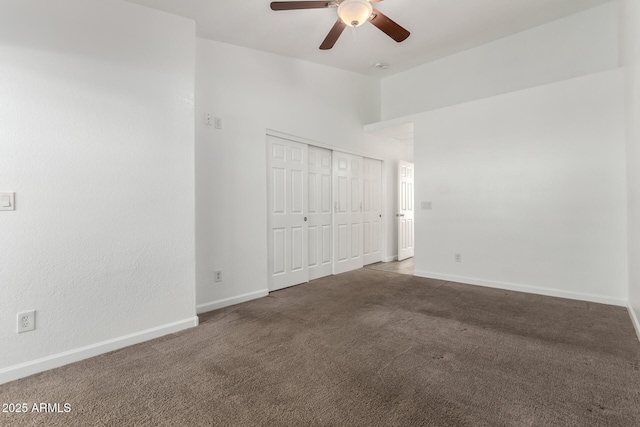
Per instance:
{"type": "Point", "coordinates": [389, 27]}
{"type": "Point", "coordinates": [333, 35]}
{"type": "Point", "coordinates": [293, 5]}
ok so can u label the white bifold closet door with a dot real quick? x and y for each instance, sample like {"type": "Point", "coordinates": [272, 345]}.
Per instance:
{"type": "Point", "coordinates": [319, 228]}
{"type": "Point", "coordinates": [287, 213]}
{"type": "Point", "coordinates": [347, 209]}
{"type": "Point", "coordinates": [371, 210]}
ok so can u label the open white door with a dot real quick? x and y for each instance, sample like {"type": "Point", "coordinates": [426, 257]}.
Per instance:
{"type": "Point", "coordinates": [287, 207]}
{"type": "Point", "coordinates": [371, 210]}
{"type": "Point", "coordinates": [405, 210]}
{"type": "Point", "coordinates": [347, 212]}
{"type": "Point", "coordinates": [319, 228]}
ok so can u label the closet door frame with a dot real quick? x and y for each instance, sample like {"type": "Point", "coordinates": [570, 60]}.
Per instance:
{"type": "Point", "coordinates": [383, 196]}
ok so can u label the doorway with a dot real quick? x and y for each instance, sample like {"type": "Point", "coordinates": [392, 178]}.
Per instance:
{"type": "Point", "coordinates": [405, 215]}
{"type": "Point", "coordinates": [398, 136]}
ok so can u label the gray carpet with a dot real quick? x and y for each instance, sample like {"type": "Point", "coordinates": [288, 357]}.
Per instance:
{"type": "Point", "coordinates": [366, 348]}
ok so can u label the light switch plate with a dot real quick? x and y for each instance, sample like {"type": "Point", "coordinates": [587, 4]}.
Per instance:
{"type": "Point", "coordinates": [7, 201]}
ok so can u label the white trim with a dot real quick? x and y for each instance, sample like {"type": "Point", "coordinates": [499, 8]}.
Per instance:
{"type": "Point", "coordinates": [226, 302]}
{"type": "Point", "coordinates": [524, 288]}
{"type": "Point", "coordinates": [390, 258]}
{"type": "Point", "coordinates": [634, 319]}
{"type": "Point", "coordinates": [26, 369]}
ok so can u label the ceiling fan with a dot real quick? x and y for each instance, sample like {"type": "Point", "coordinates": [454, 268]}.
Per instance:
{"type": "Point", "coordinates": [352, 13]}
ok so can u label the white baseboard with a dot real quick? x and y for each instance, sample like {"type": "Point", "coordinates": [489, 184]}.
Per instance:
{"type": "Point", "coordinates": [26, 369]}
{"type": "Point", "coordinates": [390, 258]}
{"type": "Point", "coordinates": [524, 288]}
{"type": "Point", "coordinates": [226, 302]}
{"type": "Point", "coordinates": [634, 319]}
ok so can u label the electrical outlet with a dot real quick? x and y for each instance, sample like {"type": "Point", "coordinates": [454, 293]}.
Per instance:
{"type": "Point", "coordinates": [218, 275]}
{"type": "Point", "coordinates": [26, 321]}
{"type": "Point", "coordinates": [458, 257]}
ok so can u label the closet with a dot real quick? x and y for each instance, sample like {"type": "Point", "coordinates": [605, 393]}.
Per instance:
{"type": "Point", "coordinates": [324, 212]}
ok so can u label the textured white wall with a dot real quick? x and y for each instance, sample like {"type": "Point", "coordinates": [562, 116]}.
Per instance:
{"type": "Point", "coordinates": [580, 44]}
{"type": "Point", "coordinates": [631, 43]}
{"type": "Point", "coordinates": [530, 188]}
{"type": "Point", "coordinates": [96, 139]}
{"type": "Point", "coordinates": [254, 91]}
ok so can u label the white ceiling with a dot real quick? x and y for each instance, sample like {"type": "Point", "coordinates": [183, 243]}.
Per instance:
{"type": "Point", "coordinates": [438, 28]}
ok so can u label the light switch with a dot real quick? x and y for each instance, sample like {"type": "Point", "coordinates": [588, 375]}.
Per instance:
{"type": "Point", "coordinates": [7, 201]}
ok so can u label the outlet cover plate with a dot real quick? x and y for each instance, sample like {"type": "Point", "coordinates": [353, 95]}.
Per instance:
{"type": "Point", "coordinates": [26, 321]}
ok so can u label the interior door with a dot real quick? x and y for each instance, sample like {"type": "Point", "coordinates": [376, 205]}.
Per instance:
{"type": "Point", "coordinates": [405, 214]}
{"type": "Point", "coordinates": [319, 213]}
{"type": "Point", "coordinates": [371, 210]}
{"type": "Point", "coordinates": [287, 204]}
{"type": "Point", "coordinates": [347, 212]}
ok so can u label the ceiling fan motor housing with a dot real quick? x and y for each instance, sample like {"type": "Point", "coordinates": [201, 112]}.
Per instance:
{"type": "Point", "coordinates": [355, 12]}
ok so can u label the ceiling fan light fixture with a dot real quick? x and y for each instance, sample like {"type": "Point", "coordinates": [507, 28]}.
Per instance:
{"type": "Point", "coordinates": [355, 12]}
